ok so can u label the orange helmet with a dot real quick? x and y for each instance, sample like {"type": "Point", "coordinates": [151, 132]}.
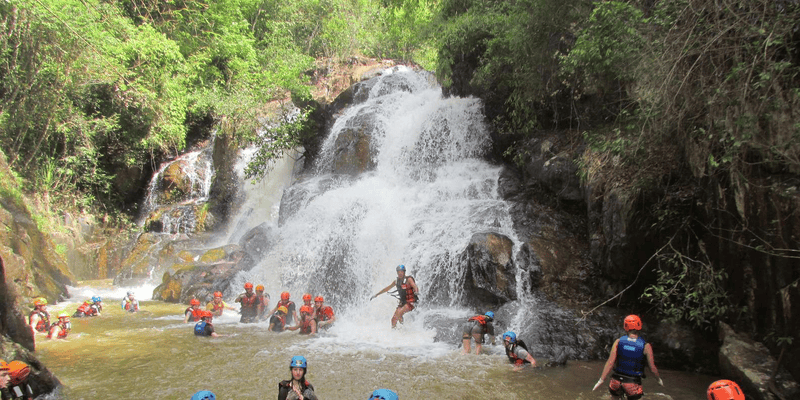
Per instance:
{"type": "Point", "coordinates": [306, 310]}
{"type": "Point", "coordinates": [285, 296]}
{"type": "Point", "coordinates": [206, 314]}
{"type": "Point", "coordinates": [725, 390]}
{"type": "Point", "coordinates": [217, 294]}
{"type": "Point", "coordinates": [248, 285]}
{"type": "Point", "coordinates": [283, 309]}
{"type": "Point", "coordinates": [19, 371]}
{"type": "Point", "coordinates": [306, 297]}
{"type": "Point", "coordinates": [319, 298]}
{"type": "Point", "coordinates": [633, 322]}
{"type": "Point", "coordinates": [194, 302]}
{"type": "Point", "coordinates": [260, 288]}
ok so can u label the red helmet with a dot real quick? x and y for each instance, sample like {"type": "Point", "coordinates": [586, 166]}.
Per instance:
{"type": "Point", "coordinates": [319, 298]}
{"type": "Point", "coordinates": [285, 296]}
{"type": "Point", "coordinates": [306, 310]}
{"type": "Point", "coordinates": [217, 294]}
{"type": "Point", "coordinates": [206, 314]}
{"type": "Point", "coordinates": [633, 322]}
{"type": "Point", "coordinates": [19, 372]}
{"type": "Point", "coordinates": [248, 285]}
{"type": "Point", "coordinates": [194, 302]}
{"type": "Point", "coordinates": [260, 288]}
{"type": "Point", "coordinates": [725, 390]}
{"type": "Point", "coordinates": [306, 297]}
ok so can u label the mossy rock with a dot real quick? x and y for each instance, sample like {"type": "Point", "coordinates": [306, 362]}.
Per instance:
{"type": "Point", "coordinates": [214, 256]}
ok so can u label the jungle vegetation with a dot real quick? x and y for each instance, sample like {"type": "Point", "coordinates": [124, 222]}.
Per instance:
{"type": "Point", "coordinates": [90, 88]}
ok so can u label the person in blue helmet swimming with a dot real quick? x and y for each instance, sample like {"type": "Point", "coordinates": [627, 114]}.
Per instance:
{"type": "Point", "coordinates": [204, 395]}
{"type": "Point", "coordinates": [89, 308]}
{"type": "Point", "coordinates": [517, 351]}
{"type": "Point", "coordinates": [407, 293]}
{"type": "Point", "coordinates": [384, 394]}
{"type": "Point", "coordinates": [297, 388]}
{"type": "Point", "coordinates": [476, 329]}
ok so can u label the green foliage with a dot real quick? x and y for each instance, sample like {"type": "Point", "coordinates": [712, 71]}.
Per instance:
{"type": "Point", "coordinates": [277, 139]}
{"type": "Point", "coordinates": [688, 289]}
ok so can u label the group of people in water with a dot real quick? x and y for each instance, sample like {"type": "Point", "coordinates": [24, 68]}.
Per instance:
{"type": "Point", "coordinates": [625, 365]}
{"type": "Point", "coordinates": [254, 307]}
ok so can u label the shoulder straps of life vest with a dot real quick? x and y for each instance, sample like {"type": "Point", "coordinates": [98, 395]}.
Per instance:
{"type": "Point", "coordinates": [479, 318]}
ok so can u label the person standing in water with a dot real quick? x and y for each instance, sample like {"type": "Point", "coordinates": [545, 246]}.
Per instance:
{"type": "Point", "coordinates": [627, 359]}
{"type": "Point", "coordinates": [297, 388]}
{"type": "Point", "coordinates": [323, 314]}
{"type": "Point", "coordinates": [39, 318]}
{"type": "Point", "coordinates": [217, 305]}
{"type": "Point", "coordinates": [205, 327]}
{"type": "Point", "coordinates": [476, 328]}
{"type": "Point", "coordinates": [264, 306]}
{"type": "Point", "coordinates": [250, 304]}
{"type": "Point", "coordinates": [60, 329]}
{"type": "Point", "coordinates": [407, 291]}
{"type": "Point", "coordinates": [191, 314]}
{"type": "Point", "coordinates": [307, 324]}
{"type": "Point", "coordinates": [291, 310]}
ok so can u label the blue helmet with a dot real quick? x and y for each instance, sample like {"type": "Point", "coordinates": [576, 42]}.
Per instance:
{"type": "Point", "coordinates": [401, 267]}
{"type": "Point", "coordinates": [204, 395]}
{"type": "Point", "coordinates": [298, 362]}
{"type": "Point", "coordinates": [490, 314]}
{"type": "Point", "coordinates": [96, 299]}
{"type": "Point", "coordinates": [511, 336]}
{"type": "Point", "coordinates": [384, 394]}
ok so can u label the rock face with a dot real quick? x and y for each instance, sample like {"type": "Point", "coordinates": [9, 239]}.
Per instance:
{"type": "Point", "coordinates": [749, 364]}
{"type": "Point", "coordinates": [199, 274]}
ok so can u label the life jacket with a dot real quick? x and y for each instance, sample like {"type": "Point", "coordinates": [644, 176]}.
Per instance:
{"type": "Point", "coordinates": [194, 316]}
{"type": "Point", "coordinates": [200, 328]}
{"type": "Point", "coordinates": [324, 313]}
{"type": "Point", "coordinates": [630, 356]}
{"type": "Point", "coordinates": [480, 318]}
{"type": "Point", "coordinates": [62, 333]}
{"type": "Point", "coordinates": [84, 309]}
{"type": "Point", "coordinates": [305, 326]}
{"type": "Point", "coordinates": [405, 291]}
{"type": "Point", "coordinates": [131, 305]}
{"type": "Point", "coordinates": [249, 301]}
{"type": "Point", "coordinates": [216, 307]}
{"type": "Point", "coordinates": [285, 387]}
{"type": "Point", "coordinates": [43, 325]}
{"type": "Point", "coordinates": [281, 320]}
{"type": "Point", "coordinates": [512, 356]}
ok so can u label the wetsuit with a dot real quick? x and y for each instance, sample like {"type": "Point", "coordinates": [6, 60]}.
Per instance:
{"type": "Point", "coordinates": [285, 391]}
{"type": "Point", "coordinates": [477, 325]}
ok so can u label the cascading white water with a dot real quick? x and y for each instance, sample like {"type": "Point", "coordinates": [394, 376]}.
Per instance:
{"type": "Point", "coordinates": [196, 167]}
{"type": "Point", "coordinates": [429, 192]}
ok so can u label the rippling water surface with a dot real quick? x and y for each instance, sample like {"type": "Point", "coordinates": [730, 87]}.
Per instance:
{"type": "Point", "coordinates": [154, 355]}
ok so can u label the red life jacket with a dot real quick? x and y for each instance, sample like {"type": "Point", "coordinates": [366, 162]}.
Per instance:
{"type": "Point", "coordinates": [85, 308]}
{"type": "Point", "coordinates": [305, 326]}
{"type": "Point", "coordinates": [324, 313]}
{"type": "Point", "coordinates": [479, 318]}
{"type": "Point", "coordinates": [405, 291]}
{"type": "Point", "coordinates": [62, 333]}
{"type": "Point", "coordinates": [43, 325]}
{"type": "Point", "coordinates": [249, 301]}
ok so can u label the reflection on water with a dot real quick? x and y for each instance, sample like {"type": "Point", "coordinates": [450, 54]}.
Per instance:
{"type": "Point", "coordinates": [154, 355]}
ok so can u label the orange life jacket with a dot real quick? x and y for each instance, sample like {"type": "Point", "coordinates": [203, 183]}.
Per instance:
{"type": "Point", "coordinates": [479, 318]}
{"type": "Point", "coordinates": [43, 325]}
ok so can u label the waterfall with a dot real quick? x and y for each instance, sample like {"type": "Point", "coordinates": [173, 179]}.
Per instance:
{"type": "Point", "coordinates": [426, 192]}
{"type": "Point", "coordinates": [176, 188]}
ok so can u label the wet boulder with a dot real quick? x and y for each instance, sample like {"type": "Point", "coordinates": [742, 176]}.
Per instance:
{"type": "Point", "coordinates": [199, 277]}
{"type": "Point", "coordinates": [750, 364]}
{"type": "Point", "coordinates": [256, 242]}
{"type": "Point", "coordinates": [485, 274]}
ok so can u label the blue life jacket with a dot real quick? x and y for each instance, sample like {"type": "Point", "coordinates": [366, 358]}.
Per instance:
{"type": "Point", "coordinates": [200, 329]}
{"type": "Point", "coordinates": [630, 356]}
